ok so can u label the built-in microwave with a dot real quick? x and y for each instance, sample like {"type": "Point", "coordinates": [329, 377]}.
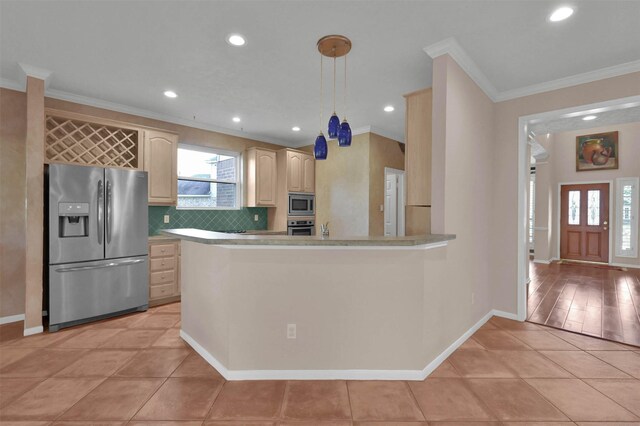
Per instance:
{"type": "Point", "coordinates": [301, 204]}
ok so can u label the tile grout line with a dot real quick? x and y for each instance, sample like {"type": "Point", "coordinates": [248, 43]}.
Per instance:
{"type": "Point", "coordinates": [415, 400]}
{"type": "Point", "coordinates": [283, 403]}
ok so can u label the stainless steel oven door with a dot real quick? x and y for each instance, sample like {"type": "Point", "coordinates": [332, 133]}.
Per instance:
{"type": "Point", "coordinates": [301, 230]}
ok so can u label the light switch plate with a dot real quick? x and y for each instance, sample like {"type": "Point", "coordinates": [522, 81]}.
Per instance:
{"type": "Point", "coordinates": [166, 218]}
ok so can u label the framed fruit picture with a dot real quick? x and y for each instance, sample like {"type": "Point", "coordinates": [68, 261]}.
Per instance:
{"type": "Point", "coordinates": [597, 152]}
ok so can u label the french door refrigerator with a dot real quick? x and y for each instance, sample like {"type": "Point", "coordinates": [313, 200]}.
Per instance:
{"type": "Point", "coordinates": [97, 250]}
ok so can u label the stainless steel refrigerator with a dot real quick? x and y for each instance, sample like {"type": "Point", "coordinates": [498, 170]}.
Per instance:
{"type": "Point", "coordinates": [97, 250]}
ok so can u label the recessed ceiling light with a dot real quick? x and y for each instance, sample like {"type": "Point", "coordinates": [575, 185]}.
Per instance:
{"type": "Point", "coordinates": [589, 117]}
{"type": "Point", "coordinates": [170, 94]}
{"type": "Point", "coordinates": [236, 40]}
{"type": "Point", "coordinates": [236, 119]}
{"type": "Point", "coordinates": [295, 128]}
{"type": "Point", "coordinates": [389, 108]}
{"type": "Point", "coordinates": [561, 14]}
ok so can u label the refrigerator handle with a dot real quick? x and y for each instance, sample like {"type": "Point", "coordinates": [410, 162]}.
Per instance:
{"type": "Point", "coordinates": [100, 212]}
{"type": "Point", "coordinates": [109, 217]}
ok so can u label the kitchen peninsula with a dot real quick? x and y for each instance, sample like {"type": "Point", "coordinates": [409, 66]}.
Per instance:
{"type": "Point", "coordinates": [281, 307]}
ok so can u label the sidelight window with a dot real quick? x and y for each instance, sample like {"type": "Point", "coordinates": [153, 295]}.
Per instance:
{"type": "Point", "coordinates": [208, 178]}
{"type": "Point", "coordinates": [627, 217]}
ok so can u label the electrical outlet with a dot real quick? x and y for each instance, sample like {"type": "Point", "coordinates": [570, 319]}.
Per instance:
{"type": "Point", "coordinates": [291, 331]}
{"type": "Point", "coordinates": [381, 207]}
{"type": "Point", "coordinates": [256, 218]}
{"type": "Point", "coordinates": [166, 218]}
{"type": "Point", "coordinates": [473, 298]}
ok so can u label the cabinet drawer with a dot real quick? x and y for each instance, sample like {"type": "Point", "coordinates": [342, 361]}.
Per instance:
{"type": "Point", "coordinates": [162, 264]}
{"type": "Point", "coordinates": [162, 277]}
{"type": "Point", "coordinates": [165, 290]}
{"type": "Point", "coordinates": [161, 250]}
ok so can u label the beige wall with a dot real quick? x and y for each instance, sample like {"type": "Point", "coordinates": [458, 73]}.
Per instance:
{"type": "Point", "coordinates": [462, 186]}
{"type": "Point", "coordinates": [13, 127]}
{"type": "Point", "coordinates": [383, 152]}
{"type": "Point", "coordinates": [342, 188]}
{"type": "Point", "coordinates": [504, 195]}
{"type": "Point", "coordinates": [561, 165]}
{"type": "Point", "coordinates": [350, 184]}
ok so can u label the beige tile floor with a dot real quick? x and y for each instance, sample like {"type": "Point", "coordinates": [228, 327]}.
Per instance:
{"type": "Point", "coordinates": [136, 370]}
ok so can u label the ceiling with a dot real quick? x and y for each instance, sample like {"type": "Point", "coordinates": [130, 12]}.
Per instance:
{"type": "Point", "coordinates": [129, 52]}
{"type": "Point", "coordinates": [574, 121]}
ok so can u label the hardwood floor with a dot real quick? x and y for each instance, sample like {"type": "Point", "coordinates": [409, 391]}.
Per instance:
{"type": "Point", "coordinates": [588, 299]}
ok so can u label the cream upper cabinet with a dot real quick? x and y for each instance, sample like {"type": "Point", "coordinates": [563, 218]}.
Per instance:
{"type": "Point", "coordinates": [161, 162]}
{"type": "Point", "coordinates": [308, 173]}
{"type": "Point", "coordinates": [294, 171]}
{"type": "Point", "coordinates": [261, 179]}
{"type": "Point", "coordinates": [418, 147]}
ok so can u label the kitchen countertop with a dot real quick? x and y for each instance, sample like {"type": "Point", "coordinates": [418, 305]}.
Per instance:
{"type": "Point", "coordinates": [219, 238]}
{"type": "Point", "coordinates": [153, 238]}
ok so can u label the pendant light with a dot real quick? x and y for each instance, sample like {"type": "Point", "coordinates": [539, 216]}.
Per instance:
{"type": "Point", "coordinates": [344, 134]}
{"type": "Point", "coordinates": [333, 46]}
{"type": "Point", "coordinates": [334, 121]}
{"type": "Point", "coordinates": [320, 147]}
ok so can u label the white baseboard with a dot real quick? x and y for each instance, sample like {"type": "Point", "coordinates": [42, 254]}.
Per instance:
{"type": "Point", "coordinates": [544, 262]}
{"type": "Point", "coordinates": [339, 374]}
{"type": "Point", "coordinates": [503, 314]}
{"type": "Point", "coordinates": [455, 345]}
{"type": "Point", "coordinates": [624, 265]}
{"type": "Point", "coordinates": [33, 330]}
{"type": "Point", "coordinates": [11, 318]}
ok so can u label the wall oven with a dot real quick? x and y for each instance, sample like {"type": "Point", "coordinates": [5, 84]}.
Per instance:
{"type": "Point", "coordinates": [301, 227]}
{"type": "Point", "coordinates": [301, 204]}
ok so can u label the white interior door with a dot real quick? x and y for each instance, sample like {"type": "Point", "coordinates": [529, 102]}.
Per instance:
{"type": "Point", "coordinates": [391, 204]}
{"type": "Point", "coordinates": [394, 198]}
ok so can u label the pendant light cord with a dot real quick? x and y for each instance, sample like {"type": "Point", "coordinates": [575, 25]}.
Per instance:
{"type": "Point", "coordinates": [321, 99]}
{"type": "Point", "coordinates": [345, 87]}
{"type": "Point", "coordinates": [334, 83]}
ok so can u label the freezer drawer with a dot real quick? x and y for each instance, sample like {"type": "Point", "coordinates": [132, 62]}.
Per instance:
{"type": "Point", "coordinates": [83, 291]}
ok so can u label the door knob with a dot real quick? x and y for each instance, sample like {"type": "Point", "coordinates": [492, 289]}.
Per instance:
{"type": "Point", "coordinates": [605, 228]}
{"type": "Point", "coordinates": [605, 222]}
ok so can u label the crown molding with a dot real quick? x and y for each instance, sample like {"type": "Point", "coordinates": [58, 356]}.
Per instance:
{"type": "Point", "coordinates": [5, 83]}
{"type": "Point", "coordinates": [35, 72]}
{"type": "Point", "coordinates": [451, 47]}
{"type": "Point", "coordinates": [574, 80]}
{"type": "Point", "coordinates": [355, 132]}
{"type": "Point", "coordinates": [113, 106]}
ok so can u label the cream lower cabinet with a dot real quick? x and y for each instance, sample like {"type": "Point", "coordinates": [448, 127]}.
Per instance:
{"type": "Point", "coordinates": [164, 272]}
{"type": "Point", "coordinates": [261, 177]}
{"type": "Point", "coordinates": [160, 161]}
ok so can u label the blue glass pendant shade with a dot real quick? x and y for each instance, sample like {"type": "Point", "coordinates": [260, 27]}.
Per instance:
{"type": "Point", "coordinates": [320, 147]}
{"type": "Point", "coordinates": [334, 125]}
{"type": "Point", "coordinates": [344, 134]}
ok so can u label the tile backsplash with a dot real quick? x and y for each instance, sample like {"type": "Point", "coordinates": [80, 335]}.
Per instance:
{"type": "Point", "coordinates": [211, 220]}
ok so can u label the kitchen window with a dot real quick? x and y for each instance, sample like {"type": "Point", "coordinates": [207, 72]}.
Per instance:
{"type": "Point", "coordinates": [627, 217]}
{"type": "Point", "coordinates": [208, 178]}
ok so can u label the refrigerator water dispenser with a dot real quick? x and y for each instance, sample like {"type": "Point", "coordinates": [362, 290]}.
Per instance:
{"type": "Point", "coordinates": [73, 219]}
